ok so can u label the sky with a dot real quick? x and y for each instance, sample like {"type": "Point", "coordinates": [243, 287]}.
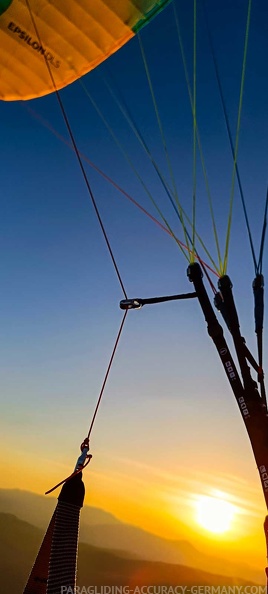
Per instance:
{"type": "Point", "coordinates": [168, 429]}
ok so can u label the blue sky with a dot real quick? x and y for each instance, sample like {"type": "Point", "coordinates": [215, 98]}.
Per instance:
{"type": "Point", "coordinates": [59, 305]}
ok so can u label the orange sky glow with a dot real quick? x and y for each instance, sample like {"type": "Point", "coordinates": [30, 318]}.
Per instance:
{"type": "Point", "coordinates": [157, 500]}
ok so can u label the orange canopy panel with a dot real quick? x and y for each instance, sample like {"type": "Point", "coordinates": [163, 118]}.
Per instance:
{"type": "Point", "coordinates": [47, 44]}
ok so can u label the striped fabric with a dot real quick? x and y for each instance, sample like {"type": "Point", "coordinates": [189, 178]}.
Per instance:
{"type": "Point", "coordinates": [37, 581]}
{"type": "Point", "coordinates": [63, 557]}
{"type": "Point", "coordinates": [56, 562]}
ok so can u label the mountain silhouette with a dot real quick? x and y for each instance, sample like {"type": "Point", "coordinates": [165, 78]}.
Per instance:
{"type": "Point", "coordinates": [20, 541]}
{"type": "Point", "coordinates": [102, 530]}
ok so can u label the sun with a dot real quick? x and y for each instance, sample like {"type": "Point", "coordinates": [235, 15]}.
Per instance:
{"type": "Point", "coordinates": [215, 514]}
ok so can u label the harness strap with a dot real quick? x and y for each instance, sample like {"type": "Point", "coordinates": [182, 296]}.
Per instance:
{"type": "Point", "coordinates": [56, 562]}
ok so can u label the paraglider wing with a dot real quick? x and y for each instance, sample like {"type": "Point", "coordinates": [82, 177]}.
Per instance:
{"type": "Point", "coordinates": [72, 37]}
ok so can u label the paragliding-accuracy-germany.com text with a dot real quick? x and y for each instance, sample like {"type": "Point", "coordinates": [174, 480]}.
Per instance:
{"type": "Point", "coordinates": [154, 589]}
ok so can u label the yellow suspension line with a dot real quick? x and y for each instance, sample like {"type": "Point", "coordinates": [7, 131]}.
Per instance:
{"type": "Point", "coordinates": [126, 155]}
{"type": "Point", "coordinates": [199, 145]}
{"type": "Point", "coordinates": [223, 271]}
{"type": "Point", "coordinates": [164, 144]}
{"type": "Point", "coordinates": [194, 135]}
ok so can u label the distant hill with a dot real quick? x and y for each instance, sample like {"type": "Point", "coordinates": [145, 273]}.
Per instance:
{"type": "Point", "coordinates": [37, 509]}
{"type": "Point", "coordinates": [19, 543]}
{"type": "Point", "coordinates": [103, 530]}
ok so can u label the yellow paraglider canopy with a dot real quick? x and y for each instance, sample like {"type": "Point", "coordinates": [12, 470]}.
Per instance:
{"type": "Point", "coordinates": [72, 37]}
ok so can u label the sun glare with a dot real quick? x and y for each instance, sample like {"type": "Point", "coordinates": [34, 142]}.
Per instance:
{"type": "Point", "coordinates": [215, 514]}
